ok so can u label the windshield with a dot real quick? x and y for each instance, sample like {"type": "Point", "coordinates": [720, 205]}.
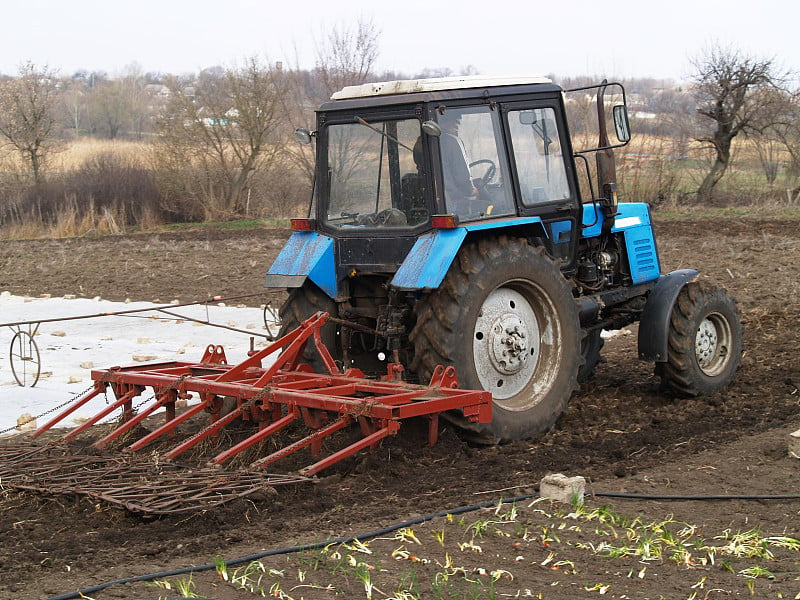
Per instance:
{"type": "Point", "coordinates": [375, 174]}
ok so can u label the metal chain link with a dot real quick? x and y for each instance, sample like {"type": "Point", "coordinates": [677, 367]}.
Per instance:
{"type": "Point", "coordinates": [174, 384]}
{"type": "Point", "coordinates": [49, 410]}
{"type": "Point", "coordinates": [134, 409]}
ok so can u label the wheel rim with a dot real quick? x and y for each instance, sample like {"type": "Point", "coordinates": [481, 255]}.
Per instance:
{"type": "Point", "coordinates": [515, 345]}
{"type": "Point", "coordinates": [712, 344]}
{"type": "Point", "coordinates": [25, 359]}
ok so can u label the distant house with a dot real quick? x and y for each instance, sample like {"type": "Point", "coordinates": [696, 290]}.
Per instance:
{"type": "Point", "coordinates": [157, 90]}
{"type": "Point", "coordinates": [157, 95]}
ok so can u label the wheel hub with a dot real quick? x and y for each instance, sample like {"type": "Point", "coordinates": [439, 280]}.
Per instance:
{"type": "Point", "coordinates": [506, 343]}
{"type": "Point", "coordinates": [509, 344]}
{"type": "Point", "coordinates": [706, 343]}
{"type": "Point", "coordinates": [712, 344]}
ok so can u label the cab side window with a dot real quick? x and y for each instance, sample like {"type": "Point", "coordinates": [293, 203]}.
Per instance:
{"type": "Point", "coordinates": [538, 156]}
{"type": "Point", "coordinates": [473, 168]}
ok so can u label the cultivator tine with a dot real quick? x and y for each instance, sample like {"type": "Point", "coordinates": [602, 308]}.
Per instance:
{"type": "Point", "coordinates": [125, 399]}
{"type": "Point", "coordinates": [372, 439]}
{"type": "Point", "coordinates": [167, 427]}
{"type": "Point", "coordinates": [212, 429]}
{"type": "Point", "coordinates": [313, 438]}
{"type": "Point", "coordinates": [255, 438]}
{"type": "Point", "coordinates": [167, 398]}
{"type": "Point", "coordinates": [71, 408]}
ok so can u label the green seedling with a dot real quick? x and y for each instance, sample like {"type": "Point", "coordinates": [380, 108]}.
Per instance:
{"type": "Point", "coordinates": [221, 567]}
{"type": "Point", "coordinates": [438, 534]}
{"type": "Point", "coordinates": [407, 535]}
{"type": "Point", "coordinates": [183, 587]}
{"type": "Point", "coordinates": [756, 572]}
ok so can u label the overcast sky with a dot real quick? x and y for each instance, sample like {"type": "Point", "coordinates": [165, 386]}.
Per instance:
{"type": "Point", "coordinates": [613, 38]}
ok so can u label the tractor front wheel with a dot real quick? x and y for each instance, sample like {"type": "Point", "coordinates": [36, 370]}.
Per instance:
{"type": "Point", "coordinates": [504, 316]}
{"type": "Point", "coordinates": [705, 341]}
{"type": "Point", "coordinates": [591, 345]}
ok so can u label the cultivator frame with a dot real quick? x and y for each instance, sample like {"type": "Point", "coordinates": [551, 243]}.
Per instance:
{"type": "Point", "coordinates": [273, 397]}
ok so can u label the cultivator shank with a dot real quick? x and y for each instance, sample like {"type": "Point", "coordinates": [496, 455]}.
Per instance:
{"type": "Point", "coordinates": [272, 398]}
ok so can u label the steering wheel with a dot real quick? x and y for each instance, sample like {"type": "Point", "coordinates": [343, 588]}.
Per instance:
{"type": "Point", "coordinates": [491, 171]}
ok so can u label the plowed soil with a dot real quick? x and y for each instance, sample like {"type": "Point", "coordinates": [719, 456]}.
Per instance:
{"type": "Point", "coordinates": [620, 432]}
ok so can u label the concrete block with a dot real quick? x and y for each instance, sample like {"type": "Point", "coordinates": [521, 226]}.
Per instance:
{"type": "Point", "coordinates": [26, 422]}
{"type": "Point", "coordinates": [794, 444]}
{"type": "Point", "coordinates": [564, 489]}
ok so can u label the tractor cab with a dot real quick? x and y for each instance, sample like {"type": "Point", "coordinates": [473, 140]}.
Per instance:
{"type": "Point", "coordinates": [397, 159]}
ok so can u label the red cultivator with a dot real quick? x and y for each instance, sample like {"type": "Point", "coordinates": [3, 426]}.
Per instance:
{"type": "Point", "coordinates": [274, 397]}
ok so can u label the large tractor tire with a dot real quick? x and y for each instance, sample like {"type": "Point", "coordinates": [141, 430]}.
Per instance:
{"type": "Point", "coordinates": [504, 316]}
{"type": "Point", "coordinates": [705, 341]}
{"type": "Point", "coordinates": [305, 302]}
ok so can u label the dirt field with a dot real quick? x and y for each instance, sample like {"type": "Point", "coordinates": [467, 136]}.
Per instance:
{"type": "Point", "coordinates": [619, 432]}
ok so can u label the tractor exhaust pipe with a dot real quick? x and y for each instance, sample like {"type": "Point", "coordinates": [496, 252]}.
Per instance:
{"type": "Point", "coordinates": [606, 164]}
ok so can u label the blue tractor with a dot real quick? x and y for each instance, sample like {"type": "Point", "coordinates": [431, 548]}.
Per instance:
{"type": "Point", "coordinates": [455, 221]}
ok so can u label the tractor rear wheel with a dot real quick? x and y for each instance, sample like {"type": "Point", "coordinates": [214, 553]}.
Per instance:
{"type": "Point", "coordinates": [705, 341]}
{"type": "Point", "coordinates": [305, 302]}
{"type": "Point", "coordinates": [504, 316]}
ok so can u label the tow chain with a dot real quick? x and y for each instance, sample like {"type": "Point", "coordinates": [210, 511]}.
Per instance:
{"type": "Point", "coordinates": [48, 411]}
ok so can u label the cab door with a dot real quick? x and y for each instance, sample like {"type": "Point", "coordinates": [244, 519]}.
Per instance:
{"type": "Point", "coordinates": [542, 172]}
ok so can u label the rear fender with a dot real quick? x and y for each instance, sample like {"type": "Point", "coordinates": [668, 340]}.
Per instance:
{"type": "Point", "coordinates": [306, 255]}
{"type": "Point", "coordinates": [426, 265]}
{"type": "Point", "coordinates": [654, 325]}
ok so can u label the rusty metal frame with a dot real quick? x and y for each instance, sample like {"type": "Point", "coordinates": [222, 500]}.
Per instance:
{"type": "Point", "coordinates": [275, 396]}
{"type": "Point", "coordinates": [140, 486]}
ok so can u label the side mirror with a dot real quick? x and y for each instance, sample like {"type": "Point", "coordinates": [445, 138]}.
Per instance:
{"type": "Point", "coordinates": [621, 124]}
{"type": "Point", "coordinates": [527, 117]}
{"type": "Point", "coordinates": [303, 135]}
{"type": "Point", "coordinates": [432, 128]}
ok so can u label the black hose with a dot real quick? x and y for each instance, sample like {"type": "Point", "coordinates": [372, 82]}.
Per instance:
{"type": "Point", "coordinates": [704, 497]}
{"type": "Point", "coordinates": [289, 550]}
{"type": "Point", "coordinates": [346, 540]}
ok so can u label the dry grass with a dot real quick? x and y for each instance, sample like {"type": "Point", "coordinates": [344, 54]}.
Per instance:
{"type": "Point", "coordinates": [660, 170]}
{"type": "Point", "coordinates": [69, 224]}
{"type": "Point", "coordinates": [76, 154]}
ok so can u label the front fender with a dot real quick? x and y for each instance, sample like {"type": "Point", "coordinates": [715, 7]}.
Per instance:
{"type": "Point", "coordinates": [654, 324]}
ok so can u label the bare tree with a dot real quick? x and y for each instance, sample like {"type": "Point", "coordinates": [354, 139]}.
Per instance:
{"type": "Point", "coordinates": [345, 56]}
{"type": "Point", "coordinates": [27, 115]}
{"type": "Point", "coordinates": [787, 134]}
{"type": "Point", "coordinates": [74, 102]}
{"type": "Point", "coordinates": [110, 108]}
{"type": "Point", "coordinates": [133, 82]}
{"type": "Point", "coordinates": [730, 91]}
{"type": "Point", "coordinates": [214, 135]}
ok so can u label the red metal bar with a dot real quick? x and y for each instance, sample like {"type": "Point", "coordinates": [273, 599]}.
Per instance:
{"type": "Point", "coordinates": [433, 429]}
{"type": "Point", "coordinates": [338, 424]}
{"type": "Point", "coordinates": [294, 341]}
{"type": "Point", "coordinates": [294, 351]}
{"type": "Point", "coordinates": [210, 430]}
{"type": "Point", "coordinates": [254, 439]}
{"type": "Point", "coordinates": [166, 427]}
{"type": "Point", "coordinates": [168, 397]}
{"type": "Point", "coordinates": [103, 413]}
{"type": "Point", "coordinates": [391, 428]}
{"type": "Point", "coordinates": [98, 387]}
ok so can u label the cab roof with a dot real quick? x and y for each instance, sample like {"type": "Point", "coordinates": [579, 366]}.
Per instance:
{"type": "Point", "coordinates": [438, 84]}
